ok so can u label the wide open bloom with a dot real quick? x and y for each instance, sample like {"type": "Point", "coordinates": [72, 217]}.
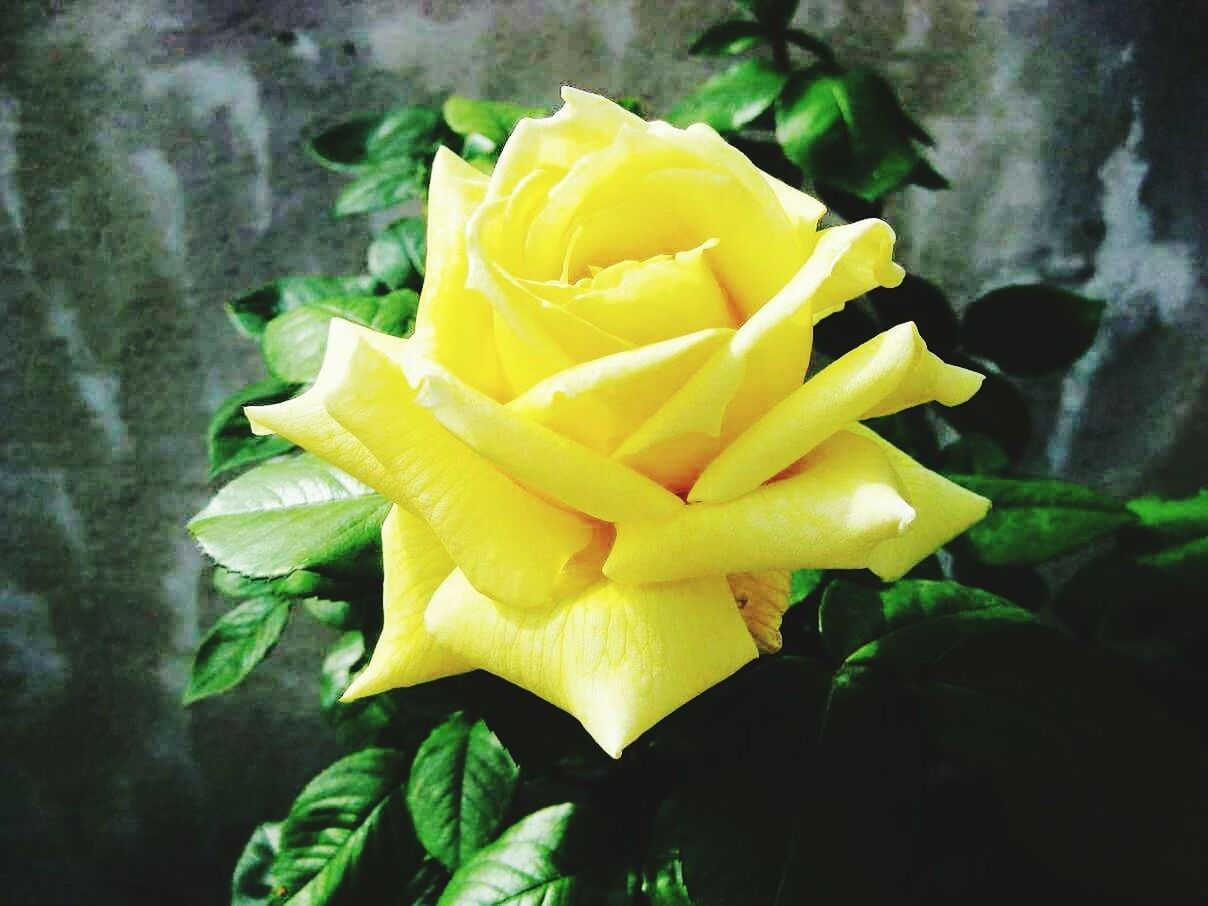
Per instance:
{"type": "Point", "coordinates": [603, 460]}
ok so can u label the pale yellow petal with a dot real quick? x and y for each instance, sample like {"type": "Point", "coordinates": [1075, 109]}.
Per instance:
{"type": "Point", "coordinates": [304, 419]}
{"type": "Point", "coordinates": [765, 360]}
{"type": "Point", "coordinates": [534, 338]}
{"type": "Point", "coordinates": [803, 210]}
{"type": "Point", "coordinates": [415, 565]}
{"type": "Point", "coordinates": [944, 510]}
{"type": "Point", "coordinates": [620, 658]}
{"type": "Point", "coordinates": [838, 504]}
{"type": "Point", "coordinates": [695, 187]}
{"type": "Point", "coordinates": [585, 123]}
{"type": "Point", "coordinates": [561, 469]}
{"type": "Point", "coordinates": [454, 323]}
{"type": "Point", "coordinates": [762, 599]}
{"type": "Point", "coordinates": [889, 372]}
{"type": "Point", "coordinates": [600, 402]}
{"type": "Point", "coordinates": [510, 543]}
{"type": "Point", "coordinates": [647, 301]}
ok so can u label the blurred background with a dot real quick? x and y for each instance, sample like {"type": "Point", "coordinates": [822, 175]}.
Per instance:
{"type": "Point", "coordinates": [151, 166]}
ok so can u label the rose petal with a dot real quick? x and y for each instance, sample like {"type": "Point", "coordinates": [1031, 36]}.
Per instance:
{"type": "Point", "coordinates": [585, 123]}
{"type": "Point", "coordinates": [599, 403]}
{"type": "Point", "coordinates": [647, 301]}
{"type": "Point", "coordinates": [842, 501]}
{"type": "Point", "coordinates": [415, 565]}
{"type": "Point", "coordinates": [691, 185]}
{"type": "Point", "coordinates": [890, 372]}
{"type": "Point", "coordinates": [619, 658]}
{"type": "Point", "coordinates": [305, 421]}
{"type": "Point", "coordinates": [534, 338]}
{"type": "Point", "coordinates": [510, 543]}
{"type": "Point", "coordinates": [762, 599]}
{"type": "Point", "coordinates": [943, 509]}
{"type": "Point", "coordinates": [455, 323]}
{"type": "Point", "coordinates": [764, 361]}
{"type": "Point", "coordinates": [804, 211]}
{"type": "Point", "coordinates": [561, 469]}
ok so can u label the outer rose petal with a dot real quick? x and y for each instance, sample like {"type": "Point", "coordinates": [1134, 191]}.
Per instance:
{"type": "Point", "coordinates": [619, 658]}
{"type": "Point", "coordinates": [508, 541]}
{"type": "Point", "coordinates": [406, 653]}
{"type": "Point", "coordinates": [304, 419]}
{"type": "Point", "coordinates": [562, 469]}
{"type": "Point", "coordinates": [764, 361]}
{"type": "Point", "coordinates": [888, 373]}
{"type": "Point", "coordinates": [453, 322]}
{"type": "Point", "coordinates": [944, 510]}
{"type": "Point", "coordinates": [803, 210]}
{"type": "Point", "coordinates": [841, 503]}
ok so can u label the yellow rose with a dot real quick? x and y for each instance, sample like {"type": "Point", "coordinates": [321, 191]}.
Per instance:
{"type": "Point", "coordinates": [601, 453]}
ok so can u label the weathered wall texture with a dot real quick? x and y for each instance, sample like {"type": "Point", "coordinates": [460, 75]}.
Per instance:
{"type": "Point", "coordinates": [150, 166]}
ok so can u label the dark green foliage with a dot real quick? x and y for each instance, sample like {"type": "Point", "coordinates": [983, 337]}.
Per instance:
{"type": "Point", "coordinates": [252, 882]}
{"type": "Point", "coordinates": [347, 838]}
{"type": "Point", "coordinates": [730, 99]}
{"type": "Point", "coordinates": [460, 789]}
{"type": "Point", "coordinates": [240, 640]}
{"type": "Point", "coordinates": [1031, 329]}
{"type": "Point", "coordinates": [251, 312]}
{"type": "Point", "coordinates": [229, 437]}
{"type": "Point", "coordinates": [361, 143]}
{"type": "Point", "coordinates": [396, 255]}
{"type": "Point", "coordinates": [1033, 520]}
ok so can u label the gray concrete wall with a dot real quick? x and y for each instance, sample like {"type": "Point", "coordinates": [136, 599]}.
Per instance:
{"type": "Point", "coordinates": [150, 167]}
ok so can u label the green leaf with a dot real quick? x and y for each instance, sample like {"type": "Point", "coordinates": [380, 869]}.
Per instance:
{"type": "Point", "coordinates": [803, 583]}
{"type": "Point", "coordinates": [998, 410]}
{"type": "Point", "coordinates": [461, 786]}
{"type": "Point", "coordinates": [293, 343]}
{"type": "Point", "coordinates": [724, 39]}
{"type": "Point", "coordinates": [229, 437]}
{"type": "Point", "coordinates": [347, 838]}
{"type": "Point", "coordinates": [342, 660]}
{"type": "Point", "coordinates": [846, 130]}
{"type": "Point", "coordinates": [383, 185]}
{"type": "Point", "coordinates": [252, 311]}
{"type": "Point", "coordinates": [558, 856]}
{"type": "Point", "coordinates": [333, 614]}
{"type": "Point", "coordinates": [1036, 519]}
{"type": "Point", "coordinates": [493, 120]}
{"type": "Point", "coordinates": [353, 145]}
{"type": "Point", "coordinates": [812, 803]}
{"type": "Point", "coordinates": [773, 13]}
{"type": "Point", "coordinates": [663, 879]}
{"type": "Point", "coordinates": [908, 624]}
{"type": "Point", "coordinates": [1182, 518]}
{"type": "Point", "coordinates": [1031, 328]}
{"type": "Point", "coordinates": [730, 99]}
{"type": "Point", "coordinates": [252, 882]}
{"type": "Point", "coordinates": [236, 585]}
{"type": "Point", "coordinates": [426, 886]}
{"type": "Point", "coordinates": [289, 514]}
{"type": "Point", "coordinates": [1093, 777]}
{"type": "Point", "coordinates": [396, 255]}
{"type": "Point", "coordinates": [405, 132]}
{"type": "Point", "coordinates": [240, 640]}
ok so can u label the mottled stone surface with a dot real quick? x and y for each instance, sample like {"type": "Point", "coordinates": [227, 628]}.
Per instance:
{"type": "Point", "coordinates": [150, 166]}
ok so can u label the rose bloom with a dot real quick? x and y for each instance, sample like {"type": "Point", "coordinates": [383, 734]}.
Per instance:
{"type": "Point", "coordinates": [603, 461]}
